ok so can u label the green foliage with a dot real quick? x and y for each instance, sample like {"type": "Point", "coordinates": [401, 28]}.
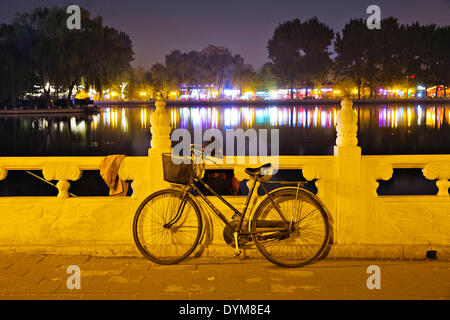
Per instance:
{"type": "Point", "coordinates": [15, 78]}
{"type": "Point", "coordinates": [211, 66]}
{"type": "Point", "coordinates": [265, 79]}
{"type": "Point", "coordinates": [395, 55]}
{"type": "Point", "coordinates": [38, 48]}
{"type": "Point", "coordinates": [94, 55]}
{"type": "Point", "coordinates": [161, 81]}
{"type": "Point", "coordinates": [299, 52]}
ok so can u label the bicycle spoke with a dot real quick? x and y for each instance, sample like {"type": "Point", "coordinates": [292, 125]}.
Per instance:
{"type": "Point", "coordinates": [164, 243]}
{"type": "Point", "coordinates": [305, 234]}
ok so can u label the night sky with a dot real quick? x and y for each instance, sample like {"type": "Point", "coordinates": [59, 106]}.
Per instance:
{"type": "Point", "coordinates": [158, 26]}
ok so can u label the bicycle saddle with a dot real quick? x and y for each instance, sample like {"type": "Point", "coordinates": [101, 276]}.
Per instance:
{"type": "Point", "coordinates": [260, 171]}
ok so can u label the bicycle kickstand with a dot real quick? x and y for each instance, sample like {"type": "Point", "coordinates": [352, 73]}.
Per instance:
{"type": "Point", "coordinates": [237, 251]}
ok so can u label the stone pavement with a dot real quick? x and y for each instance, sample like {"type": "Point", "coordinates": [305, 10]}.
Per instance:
{"type": "Point", "coordinates": [45, 277]}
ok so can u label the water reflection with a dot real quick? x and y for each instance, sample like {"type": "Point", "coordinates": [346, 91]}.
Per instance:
{"type": "Point", "coordinates": [434, 117]}
{"type": "Point", "coordinates": [249, 116]}
{"type": "Point", "coordinates": [144, 118]}
{"type": "Point", "coordinates": [323, 117]}
{"type": "Point", "coordinates": [383, 129]}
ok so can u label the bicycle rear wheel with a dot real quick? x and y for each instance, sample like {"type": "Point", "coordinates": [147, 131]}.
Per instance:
{"type": "Point", "coordinates": [292, 230]}
{"type": "Point", "coordinates": [167, 227]}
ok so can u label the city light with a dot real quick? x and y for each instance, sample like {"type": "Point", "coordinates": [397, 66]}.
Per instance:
{"type": "Point", "coordinates": [211, 93]}
{"type": "Point", "coordinates": [207, 117]}
{"type": "Point", "coordinates": [231, 93]}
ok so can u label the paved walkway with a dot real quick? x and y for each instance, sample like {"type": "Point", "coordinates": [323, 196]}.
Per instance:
{"type": "Point", "coordinates": [45, 277]}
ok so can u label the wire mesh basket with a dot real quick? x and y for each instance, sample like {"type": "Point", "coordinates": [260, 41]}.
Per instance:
{"type": "Point", "coordinates": [177, 173]}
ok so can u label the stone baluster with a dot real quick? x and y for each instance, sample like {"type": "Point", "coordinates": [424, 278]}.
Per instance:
{"type": "Point", "coordinates": [347, 127]}
{"type": "Point", "coordinates": [3, 173]}
{"type": "Point", "coordinates": [348, 219]}
{"type": "Point", "coordinates": [441, 172]}
{"type": "Point", "coordinates": [160, 143]}
{"type": "Point", "coordinates": [63, 172]}
{"type": "Point", "coordinates": [160, 129]}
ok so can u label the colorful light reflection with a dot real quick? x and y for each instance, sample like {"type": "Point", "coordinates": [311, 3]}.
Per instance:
{"type": "Point", "coordinates": [434, 117]}
{"type": "Point", "coordinates": [249, 117]}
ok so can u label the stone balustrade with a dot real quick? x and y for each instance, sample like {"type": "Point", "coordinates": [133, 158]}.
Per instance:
{"type": "Point", "coordinates": [364, 223]}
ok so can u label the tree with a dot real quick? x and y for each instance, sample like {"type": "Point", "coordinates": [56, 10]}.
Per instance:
{"type": "Point", "coordinates": [177, 66]}
{"type": "Point", "coordinates": [195, 73]}
{"type": "Point", "coordinates": [443, 65]}
{"type": "Point", "coordinates": [439, 57]}
{"type": "Point", "coordinates": [351, 48]}
{"type": "Point", "coordinates": [242, 76]}
{"type": "Point", "coordinates": [299, 52]}
{"type": "Point", "coordinates": [316, 63]}
{"type": "Point", "coordinates": [138, 83]}
{"type": "Point", "coordinates": [160, 79]}
{"type": "Point", "coordinates": [218, 64]}
{"type": "Point", "coordinates": [185, 68]}
{"type": "Point", "coordinates": [264, 78]}
{"type": "Point", "coordinates": [103, 55]}
{"type": "Point", "coordinates": [34, 30]}
{"type": "Point", "coordinates": [390, 52]}
{"type": "Point", "coordinates": [15, 78]}
{"type": "Point", "coordinates": [211, 66]}
{"type": "Point", "coordinates": [371, 57]}
{"type": "Point", "coordinates": [94, 55]}
{"type": "Point", "coordinates": [285, 54]}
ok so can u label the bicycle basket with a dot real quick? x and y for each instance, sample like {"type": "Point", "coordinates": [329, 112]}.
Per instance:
{"type": "Point", "coordinates": [176, 173]}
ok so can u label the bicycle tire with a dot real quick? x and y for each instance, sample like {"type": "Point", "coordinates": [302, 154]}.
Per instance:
{"type": "Point", "coordinates": [302, 200]}
{"type": "Point", "coordinates": [160, 215]}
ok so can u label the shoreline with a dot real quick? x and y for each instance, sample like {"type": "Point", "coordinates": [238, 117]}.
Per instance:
{"type": "Point", "coordinates": [57, 111]}
{"type": "Point", "coordinates": [272, 102]}
{"type": "Point", "coordinates": [261, 103]}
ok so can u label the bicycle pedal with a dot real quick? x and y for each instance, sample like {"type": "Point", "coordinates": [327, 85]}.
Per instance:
{"type": "Point", "coordinates": [237, 254]}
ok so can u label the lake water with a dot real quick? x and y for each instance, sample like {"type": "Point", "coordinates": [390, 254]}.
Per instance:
{"type": "Point", "coordinates": [303, 130]}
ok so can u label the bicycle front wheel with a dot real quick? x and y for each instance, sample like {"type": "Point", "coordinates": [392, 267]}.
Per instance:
{"type": "Point", "coordinates": [167, 227]}
{"type": "Point", "coordinates": [291, 228]}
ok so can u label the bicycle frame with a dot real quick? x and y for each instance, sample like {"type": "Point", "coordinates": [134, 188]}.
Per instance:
{"type": "Point", "coordinates": [216, 211]}
{"type": "Point", "coordinates": [219, 214]}
{"type": "Point", "coordinates": [276, 217]}
{"type": "Point", "coordinates": [257, 182]}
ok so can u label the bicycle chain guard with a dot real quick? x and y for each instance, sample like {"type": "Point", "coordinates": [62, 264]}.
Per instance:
{"type": "Point", "coordinates": [228, 235]}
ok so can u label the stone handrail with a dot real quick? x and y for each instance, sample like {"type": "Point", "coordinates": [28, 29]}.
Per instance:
{"type": "Point", "coordinates": [65, 169]}
{"type": "Point", "coordinates": [434, 167]}
{"type": "Point", "coordinates": [346, 181]}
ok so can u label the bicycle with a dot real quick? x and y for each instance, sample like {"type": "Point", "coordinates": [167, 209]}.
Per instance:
{"type": "Point", "coordinates": [290, 226]}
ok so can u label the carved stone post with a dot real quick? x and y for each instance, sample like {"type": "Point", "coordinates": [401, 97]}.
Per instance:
{"type": "Point", "coordinates": [348, 219]}
{"type": "Point", "coordinates": [160, 129]}
{"type": "Point", "coordinates": [3, 173]}
{"type": "Point", "coordinates": [160, 143]}
{"type": "Point", "coordinates": [441, 172]}
{"type": "Point", "coordinates": [347, 128]}
{"type": "Point", "coordinates": [63, 172]}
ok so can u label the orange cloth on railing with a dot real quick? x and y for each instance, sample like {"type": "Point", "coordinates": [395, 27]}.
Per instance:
{"type": "Point", "coordinates": [109, 170]}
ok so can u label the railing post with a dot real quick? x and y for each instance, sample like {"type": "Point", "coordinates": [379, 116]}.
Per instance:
{"type": "Point", "coordinates": [160, 143]}
{"type": "Point", "coordinates": [160, 129]}
{"type": "Point", "coordinates": [63, 172]}
{"type": "Point", "coordinates": [3, 173]}
{"type": "Point", "coordinates": [348, 219]}
{"type": "Point", "coordinates": [441, 172]}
